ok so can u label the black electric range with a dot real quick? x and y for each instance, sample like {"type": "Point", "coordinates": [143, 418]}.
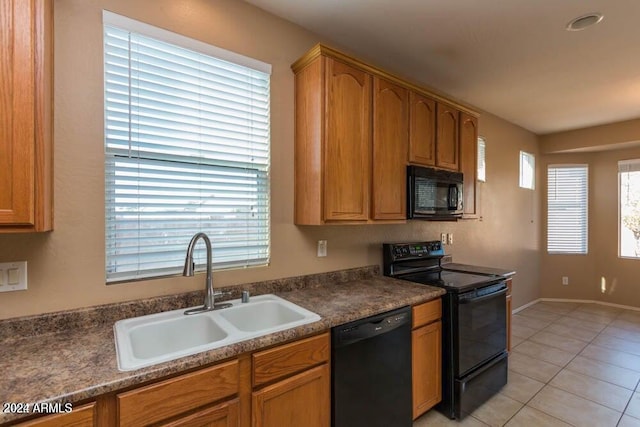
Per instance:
{"type": "Point", "coordinates": [474, 329]}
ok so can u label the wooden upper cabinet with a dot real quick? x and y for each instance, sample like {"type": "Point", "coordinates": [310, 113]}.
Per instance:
{"type": "Point", "coordinates": [390, 144]}
{"type": "Point", "coordinates": [422, 131]}
{"type": "Point", "coordinates": [447, 149]}
{"type": "Point", "coordinates": [25, 115]}
{"type": "Point", "coordinates": [469, 162]}
{"type": "Point", "coordinates": [356, 129]}
{"type": "Point", "coordinates": [347, 153]}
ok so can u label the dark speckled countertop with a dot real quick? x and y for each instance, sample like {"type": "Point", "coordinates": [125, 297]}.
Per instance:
{"type": "Point", "coordinates": [71, 356]}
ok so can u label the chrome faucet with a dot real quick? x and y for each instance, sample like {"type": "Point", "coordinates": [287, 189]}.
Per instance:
{"type": "Point", "coordinates": [209, 303]}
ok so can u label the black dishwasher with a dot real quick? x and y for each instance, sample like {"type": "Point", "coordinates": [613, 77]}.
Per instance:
{"type": "Point", "coordinates": [371, 371]}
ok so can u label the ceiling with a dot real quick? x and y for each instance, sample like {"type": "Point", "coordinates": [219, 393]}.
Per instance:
{"type": "Point", "coordinates": [511, 58]}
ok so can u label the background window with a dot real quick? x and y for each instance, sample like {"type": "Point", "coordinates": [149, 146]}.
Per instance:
{"type": "Point", "coordinates": [527, 170]}
{"type": "Point", "coordinates": [629, 179]}
{"type": "Point", "coordinates": [482, 169]}
{"type": "Point", "coordinates": [567, 198]}
{"type": "Point", "coordinates": [186, 150]}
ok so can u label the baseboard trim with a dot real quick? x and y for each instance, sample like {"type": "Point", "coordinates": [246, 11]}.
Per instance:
{"type": "Point", "coordinates": [527, 305]}
{"type": "Point", "coordinates": [582, 301]}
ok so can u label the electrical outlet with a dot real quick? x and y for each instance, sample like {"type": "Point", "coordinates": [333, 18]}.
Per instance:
{"type": "Point", "coordinates": [565, 280]}
{"type": "Point", "coordinates": [13, 276]}
{"type": "Point", "coordinates": [443, 238]}
{"type": "Point", "coordinates": [450, 238]}
{"type": "Point", "coordinates": [322, 248]}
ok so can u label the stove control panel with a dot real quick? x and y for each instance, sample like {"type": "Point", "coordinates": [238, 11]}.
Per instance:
{"type": "Point", "coordinates": [400, 251]}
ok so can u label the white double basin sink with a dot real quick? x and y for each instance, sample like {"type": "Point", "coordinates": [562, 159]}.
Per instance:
{"type": "Point", "coordinates": [156, 338]}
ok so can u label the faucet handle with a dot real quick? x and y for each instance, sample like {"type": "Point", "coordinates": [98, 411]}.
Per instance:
{"type": "Point", "coordinates": [222, 293]}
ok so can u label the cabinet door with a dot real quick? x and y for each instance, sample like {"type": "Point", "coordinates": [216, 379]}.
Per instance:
{"type": "Point", "coordinates": [422, 130]}
{"type": "Point", "coordinates": [226, 414]}
{"type": "Point", "coordinates": [302, 400]}
{"type": "Point", "coordinates": [447, 153]}
{"type": "Point", "coordinates": [469, 162]}
{"type": "Point", "coordinates": [390, 140]}
{"type": "Point", "coordinates": [347, 150]}
{"type": "Point", "coordinates": [426, 349]}
{"type": "Point", "coordinates": [26, 190]}
{"type": "Point", "coordinates": [17, 112]}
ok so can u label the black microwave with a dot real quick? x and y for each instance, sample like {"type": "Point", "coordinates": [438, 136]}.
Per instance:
{"type": "Point", "coordinates": [433, 194]}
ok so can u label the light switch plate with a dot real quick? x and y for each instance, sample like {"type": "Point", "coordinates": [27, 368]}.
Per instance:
{"type": "Point", "coordinates": [322, 248]}
{"type": "Point", "coordinates": [13, 276]}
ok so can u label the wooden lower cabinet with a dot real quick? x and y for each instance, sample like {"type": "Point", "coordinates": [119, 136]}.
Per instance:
{"type": "Point", "coordinates": [292, 384]}
{"type": "Point", "coordinates": [426, 356]}
{"type": "Point", "coordinates": [226, 414]}
{"type": "Point", "coordinates": [82, 416]}
{"type": "Point", "coordinates": [284, 386]}
{"type": "Point", "coordinates": [301, 400]}
{"type": "Point", "coordinates": [170, 398]}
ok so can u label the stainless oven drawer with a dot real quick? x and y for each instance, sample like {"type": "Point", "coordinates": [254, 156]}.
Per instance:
{"type": "Point", "coordinates": [480, 385]}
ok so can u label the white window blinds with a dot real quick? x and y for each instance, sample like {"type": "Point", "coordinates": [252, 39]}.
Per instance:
{"type": "Point", "coordinates": [186, 151]}
{"type": "Point", "coordinates": [482, 168]}
{"type": "Point", "coordinates": [567, 199]}
{"type": "Point", "coordinates": [629, 179]}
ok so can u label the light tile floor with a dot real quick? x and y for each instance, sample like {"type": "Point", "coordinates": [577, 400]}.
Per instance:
{"type": "Point", "coordinates": [571, 364]}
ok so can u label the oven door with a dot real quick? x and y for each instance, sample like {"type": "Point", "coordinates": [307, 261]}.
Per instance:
{"type": "Point", "coordinates": [482, 326]}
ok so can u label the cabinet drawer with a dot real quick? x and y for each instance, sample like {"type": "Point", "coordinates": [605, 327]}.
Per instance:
{"type": "Point", "coordinates": [226, 414]}
{"type": "Point", "coordinates": [165, 399]}
{"type": "Point", "coordinates": [82, 416]}
{"type": "Point", "coordinates": [269, 365]}
{"type": "Point", "coordinates": [427, 312]}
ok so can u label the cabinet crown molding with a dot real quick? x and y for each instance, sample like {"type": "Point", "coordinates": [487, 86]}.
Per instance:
{"type": "Point", "coordinates": [321, 49]}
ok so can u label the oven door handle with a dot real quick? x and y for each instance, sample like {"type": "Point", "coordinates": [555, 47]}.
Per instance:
{"type": "Point", "coordinates": [471, 300]}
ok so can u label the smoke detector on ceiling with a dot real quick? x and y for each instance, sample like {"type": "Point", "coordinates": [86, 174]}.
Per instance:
{"type": "Point", "coordinates": [584, 21]}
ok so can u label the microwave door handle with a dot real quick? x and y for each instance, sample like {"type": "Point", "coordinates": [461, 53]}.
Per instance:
{"type": "Point", "coordinates": [453, 196]}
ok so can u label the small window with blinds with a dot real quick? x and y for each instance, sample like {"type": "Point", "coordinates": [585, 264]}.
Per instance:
{"type": "Point", "coordinates": [527, 170]}
{"type": "Point", "coordinates": [629, 210]}
{"type": "Point", "coordinates": [482, 168]}
{"type": "Point", "coordinates": [567, 200]}
{"type": "Point", "coordinates": [187, 131]}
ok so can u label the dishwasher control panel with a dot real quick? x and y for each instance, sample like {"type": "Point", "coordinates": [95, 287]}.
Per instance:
{"type": "Point", "coordinates": [371, 326]}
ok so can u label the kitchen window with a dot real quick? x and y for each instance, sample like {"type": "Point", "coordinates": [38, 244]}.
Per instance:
{"type": "Point", "coordinates": [482, 167]}
{"type": "Point", "coordinates": [527, 170]}
{"type": "Point", "coordinates": [187, 134]}
{"type": "Point", "coordinates": [567, 213]}
{"type": "Point", "coordinates": [629, 208]}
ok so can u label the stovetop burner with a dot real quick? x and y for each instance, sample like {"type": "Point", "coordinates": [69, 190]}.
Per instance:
{"type": "Point", "coordinates": [419, 262]}
{"type": "Point", "coordinates": [450, 280]}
